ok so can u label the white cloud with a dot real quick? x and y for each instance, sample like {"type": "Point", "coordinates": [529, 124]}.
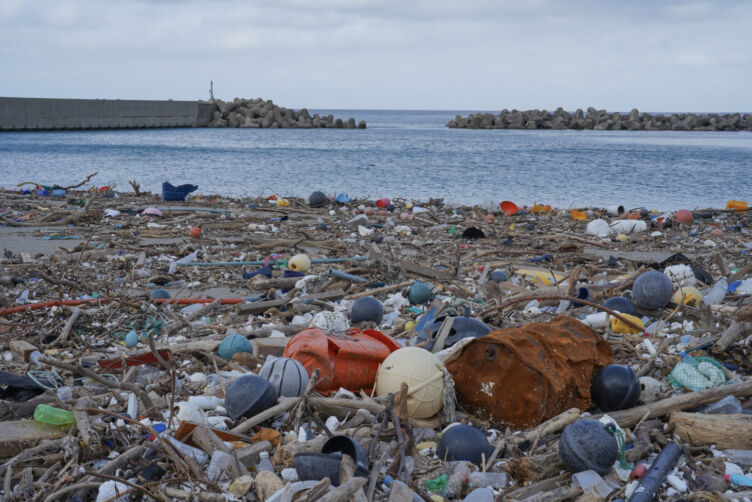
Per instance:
{"type": "Point", "coordinates": [478, 54]}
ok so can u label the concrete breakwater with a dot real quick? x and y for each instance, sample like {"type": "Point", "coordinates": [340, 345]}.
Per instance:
{"type": "Point", "coordinates": [602, 120]}
{"type": "Point", "coordinates": [43, 114]}
{"type": "Point", "coordinates": [258, 113]}
{"type": "Point", "coordinates": [33, 114]}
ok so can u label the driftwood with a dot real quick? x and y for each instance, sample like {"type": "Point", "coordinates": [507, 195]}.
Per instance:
{"type": "Point", "coordinates": [723, 431]}
{"type": "Point", "coordinates": [628, 418]}
{"type": "Point", "coordinates": [738, 329]}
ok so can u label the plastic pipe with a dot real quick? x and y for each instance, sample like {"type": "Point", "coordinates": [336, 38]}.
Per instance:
{"type": "Point", "coordinates": [343, 275]}
{"type": "Point", "coordinates": [72, 303]}
{"type": "Point", "coordinates": [196, 209]}
{"type": "Point", "coordinates": [663, 464]}
{"type": "Point", "coordinates": [615, 210]}
{"type": "Point", "coordinates": [51, 303]}
{"type": "Point", "coordinates": [262, 262]}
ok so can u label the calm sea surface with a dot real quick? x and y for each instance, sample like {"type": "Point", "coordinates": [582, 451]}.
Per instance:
{"type": "Point", "coordinates": [402, 153]}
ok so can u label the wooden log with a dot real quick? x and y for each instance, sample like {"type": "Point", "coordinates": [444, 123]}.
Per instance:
{"type": "Point", "coordinates": [737, 330]}
{"type": "Point", "coordinates": [554, 424]}
{"type": "Point", "coordinates": [262, 306]}
{"type": "Point", "coordinates": [723, 431]}
{"type": "Point", "coordinates": [343, 492]}
{"type": "Point", "coordinates": [630, 417]}
{"type": "Point", "coordinates": [208, 441]}
{"type": "Point", "coordinates": [431, 273]}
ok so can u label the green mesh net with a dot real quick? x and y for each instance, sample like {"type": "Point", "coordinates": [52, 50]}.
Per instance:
{"type": "Point", "coordinates": [697, 373]}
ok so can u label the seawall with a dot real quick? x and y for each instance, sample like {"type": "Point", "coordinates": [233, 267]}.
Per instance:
{"type": "Point", "coordinates": [34, 114]}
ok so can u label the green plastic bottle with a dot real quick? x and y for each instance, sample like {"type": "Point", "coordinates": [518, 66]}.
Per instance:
{"type": "Point", "coordinates": [53, 416]}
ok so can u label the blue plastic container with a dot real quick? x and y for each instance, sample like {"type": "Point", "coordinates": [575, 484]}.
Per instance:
{"type": "Point", "coordinates": [176, 193]}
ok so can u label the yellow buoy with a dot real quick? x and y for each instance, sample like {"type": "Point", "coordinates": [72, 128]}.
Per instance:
{"type": "Point", "coordinates": [299, 263]}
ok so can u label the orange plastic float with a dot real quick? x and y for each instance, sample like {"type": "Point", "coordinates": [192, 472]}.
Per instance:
{"type": "Point", "coordinates": [509, 208]}
{"type": "Point", "coordinates": [350, 360]}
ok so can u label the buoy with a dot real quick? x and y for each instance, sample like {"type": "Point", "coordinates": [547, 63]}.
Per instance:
{"type": "Point", "coordinates": [248, 396]}
{"type": "Point", "coordinates": [299, 263]}
{"type": "Point", "coordinates": [684, 216]}
{"type": "Point", "coordinates": [620, 304]}
{"type": "Point", "coordinates": [232, 344]}
{"type": "Point", "coordinates": [615, 387]}
{"type": "Point", "coordinates": [195, 232]}
{"type": "Point", "coordinates": [131, 339]}
{"type": "Point", "coordinates": [498, 275]}
{"type": "Point", "coordinates": [422, 371]}
{"type": "Point", "coordinates": [160, 294]}
{"type": "Point", "coordinates": [287, 376]}
{"type": "Point", "coordinates": [463, 442]}
{"type": "Point", "coordinates": [367, 309]}
{"type": "Point", "coordinates": [586, 444]}
{"type": "Point", "coordinates": [318, 199]}
{"type": "Point", "coordinates": [652, 290]}
{"type": "Point", "coordinates": [509, 208]}
{"type": "Point", "coordinates": [419, 294]}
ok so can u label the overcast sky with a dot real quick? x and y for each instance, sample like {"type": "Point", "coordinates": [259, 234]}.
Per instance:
{"type": "Point", "coordinates": [389, 54]}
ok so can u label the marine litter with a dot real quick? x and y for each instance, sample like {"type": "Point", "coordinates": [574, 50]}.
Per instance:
{"type": "Point", "coordinates": [265, 349]}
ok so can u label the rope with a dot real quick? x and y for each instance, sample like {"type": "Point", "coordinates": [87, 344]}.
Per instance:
{"type": "Point", "coordinates": [621, 443]}
{"type": "Point", "coordinates": [448, 396]}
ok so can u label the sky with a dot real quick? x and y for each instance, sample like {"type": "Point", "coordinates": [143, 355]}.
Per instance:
{"type": "Point", "coordinates": [684, 56]}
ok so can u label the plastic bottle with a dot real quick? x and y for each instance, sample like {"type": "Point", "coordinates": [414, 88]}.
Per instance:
{"type": "Point", "coordinates": [738, 479]}
{"type": "Point", "coordinates": [132, 405]}
{"type": "Point", "coordinates": [65, 394]}
{"type": "Point", "coordinates": [219, 464]}
{"type": "Point", "coordinates": [199, 456]}
{"type": "Point", "coordinates": [53, 416]}
{"type": "Point", "coordinates": [727, 405]}
{"type": "Point", "coordinates": [717, 293]}
{"type": "Point", "coordinates": [264, 464]}
{"type": "Point", "coordinates": [495, 480]}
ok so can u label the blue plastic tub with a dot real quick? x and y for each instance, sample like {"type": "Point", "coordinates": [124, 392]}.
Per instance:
{"type": "Point", "coordinates": [176, 193]}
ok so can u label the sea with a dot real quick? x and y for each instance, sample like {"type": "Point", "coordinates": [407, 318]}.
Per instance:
{"type": "Point", "coordinates": [408, 154]}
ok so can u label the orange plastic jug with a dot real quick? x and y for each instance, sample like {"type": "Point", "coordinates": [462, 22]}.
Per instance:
{"type": "Point", "coordinates": [348, 360]}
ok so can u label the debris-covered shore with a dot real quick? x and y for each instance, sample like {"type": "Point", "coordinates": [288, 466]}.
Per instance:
{"type": "Point", "coordinates": [559, 352]}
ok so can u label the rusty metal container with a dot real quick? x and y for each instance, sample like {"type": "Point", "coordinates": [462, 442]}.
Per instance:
{"type": "Point", "coordinates": [523, 376]}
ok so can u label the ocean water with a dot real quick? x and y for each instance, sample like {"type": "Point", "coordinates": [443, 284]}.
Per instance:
{"type": "Point", "coordinates": [401, 154]}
